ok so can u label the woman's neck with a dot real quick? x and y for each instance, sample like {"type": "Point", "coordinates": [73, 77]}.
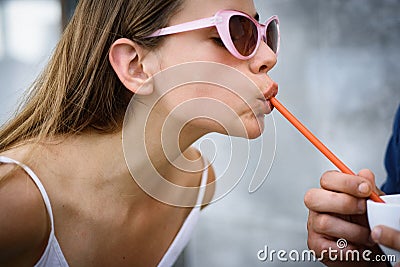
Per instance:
{"type": "Point", "coordinates": [154, 145]}
{"type": "Point", "coordinates": [151, 136]}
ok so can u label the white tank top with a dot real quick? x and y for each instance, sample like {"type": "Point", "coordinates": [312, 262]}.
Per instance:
{"type": "Point", "coordinates": [53, 256]}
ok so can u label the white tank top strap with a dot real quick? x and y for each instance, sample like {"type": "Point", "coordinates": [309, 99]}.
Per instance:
{"type": "Point", "coordinates": [203, 183]}
{"type": "Point", "coordinates": [38, 184]}
{"type": "Point", "coordinates": [52, 256]}
{"type": "Point", "coordinates": [183, 236]}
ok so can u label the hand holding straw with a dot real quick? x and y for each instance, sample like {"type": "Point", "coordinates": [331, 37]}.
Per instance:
{"type": "Point", "coordinates": [317, 143]}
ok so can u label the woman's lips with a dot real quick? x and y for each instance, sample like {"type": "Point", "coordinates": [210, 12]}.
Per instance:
{"type": "Point", "coordinates": [271, 91]}
{"type": "Point", "coordinates": [267, 106]}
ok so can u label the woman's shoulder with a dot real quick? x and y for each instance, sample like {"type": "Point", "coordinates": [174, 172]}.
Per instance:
{"type": "Point", "coordinates": [24, 221]}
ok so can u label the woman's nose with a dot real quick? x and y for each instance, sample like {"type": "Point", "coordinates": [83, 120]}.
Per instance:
{"type": "Point", "coordinates": [264, 59]}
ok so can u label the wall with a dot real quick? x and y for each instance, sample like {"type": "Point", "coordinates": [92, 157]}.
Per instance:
{"type": "Point", "coordinates": [29, 31]}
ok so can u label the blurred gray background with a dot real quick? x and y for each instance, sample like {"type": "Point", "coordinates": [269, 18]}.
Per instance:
{"type": "Point", "coordinates": [338, 72]}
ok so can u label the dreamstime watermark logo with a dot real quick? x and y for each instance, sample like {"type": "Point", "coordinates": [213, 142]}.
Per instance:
{"type": "Point", "coordinates": [341, 243]}
{"type": "Point", "coordinates": [331, 254]}
{"type": "Point", "coordinates": [179, 101]}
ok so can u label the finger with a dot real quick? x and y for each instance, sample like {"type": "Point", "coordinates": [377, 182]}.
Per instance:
{"type": "Point", "coordinates": [334, 227]}
{"type": "Point", "coordinates": [359, 219]}
{"type": "Point", "coordinates": [386, 236]}
{"type": "Point", "coordinates": [321, 200]}
{"type": "Point", "coordinates": [357, 186]}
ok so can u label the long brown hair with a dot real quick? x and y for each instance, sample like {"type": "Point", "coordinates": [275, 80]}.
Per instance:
{"type": "Point", "coordinates": [78, 90]}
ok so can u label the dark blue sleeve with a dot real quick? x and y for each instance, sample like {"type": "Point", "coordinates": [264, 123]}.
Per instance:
{"type": "Point", "coordinates": [392, 160]}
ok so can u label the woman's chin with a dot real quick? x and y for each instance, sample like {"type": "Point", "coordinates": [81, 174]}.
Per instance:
{"type": "Point", "coordinates": [252, 130]}
{"type": "Point", "coordinates": [249, 129]}
{"type": "Point", "coordinates": [256, 128]}
{"type": "Point", "coordinates": [254, 134]}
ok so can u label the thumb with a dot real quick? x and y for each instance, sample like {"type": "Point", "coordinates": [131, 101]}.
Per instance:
{"type": "Point", "coordinates": [370, 176]}
{"type": "Point", "coordinates": [386, 236]}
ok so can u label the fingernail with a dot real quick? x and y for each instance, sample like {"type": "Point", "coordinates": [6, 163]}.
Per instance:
{"type": "Point", "coordinates": [363, 188]}
{"type": "Point", "coordinates": [376, 234]}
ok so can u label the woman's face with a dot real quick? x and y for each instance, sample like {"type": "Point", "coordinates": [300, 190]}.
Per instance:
{"type": "Point", "coordinates": [245, 108]}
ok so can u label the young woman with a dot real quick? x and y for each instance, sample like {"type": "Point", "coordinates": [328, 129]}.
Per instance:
{"type": "Point", "coordinates": [68, 196]}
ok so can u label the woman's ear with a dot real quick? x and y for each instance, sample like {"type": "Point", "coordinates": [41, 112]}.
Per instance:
{"type": "Point", "coordinates": [125, 58]}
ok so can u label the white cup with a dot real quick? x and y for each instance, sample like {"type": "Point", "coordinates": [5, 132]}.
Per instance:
{"type": "Point", "coordinates": [387, 214]}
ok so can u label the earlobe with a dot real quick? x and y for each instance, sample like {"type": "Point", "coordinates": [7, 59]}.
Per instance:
{"type": "Point", "coordinates": [125, 60]}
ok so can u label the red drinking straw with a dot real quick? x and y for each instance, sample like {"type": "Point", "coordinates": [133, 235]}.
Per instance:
{"type": "Point", "coordinates": [317, 143]}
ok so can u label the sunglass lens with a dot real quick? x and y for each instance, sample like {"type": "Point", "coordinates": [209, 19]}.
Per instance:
{"type": "Point", "coordinates": [272, 35]}
{"type": "Point", "coordinates": [244, 34]}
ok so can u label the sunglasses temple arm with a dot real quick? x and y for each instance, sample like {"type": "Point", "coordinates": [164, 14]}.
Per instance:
{"type": "Point", "coordinates": [185, 27]}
